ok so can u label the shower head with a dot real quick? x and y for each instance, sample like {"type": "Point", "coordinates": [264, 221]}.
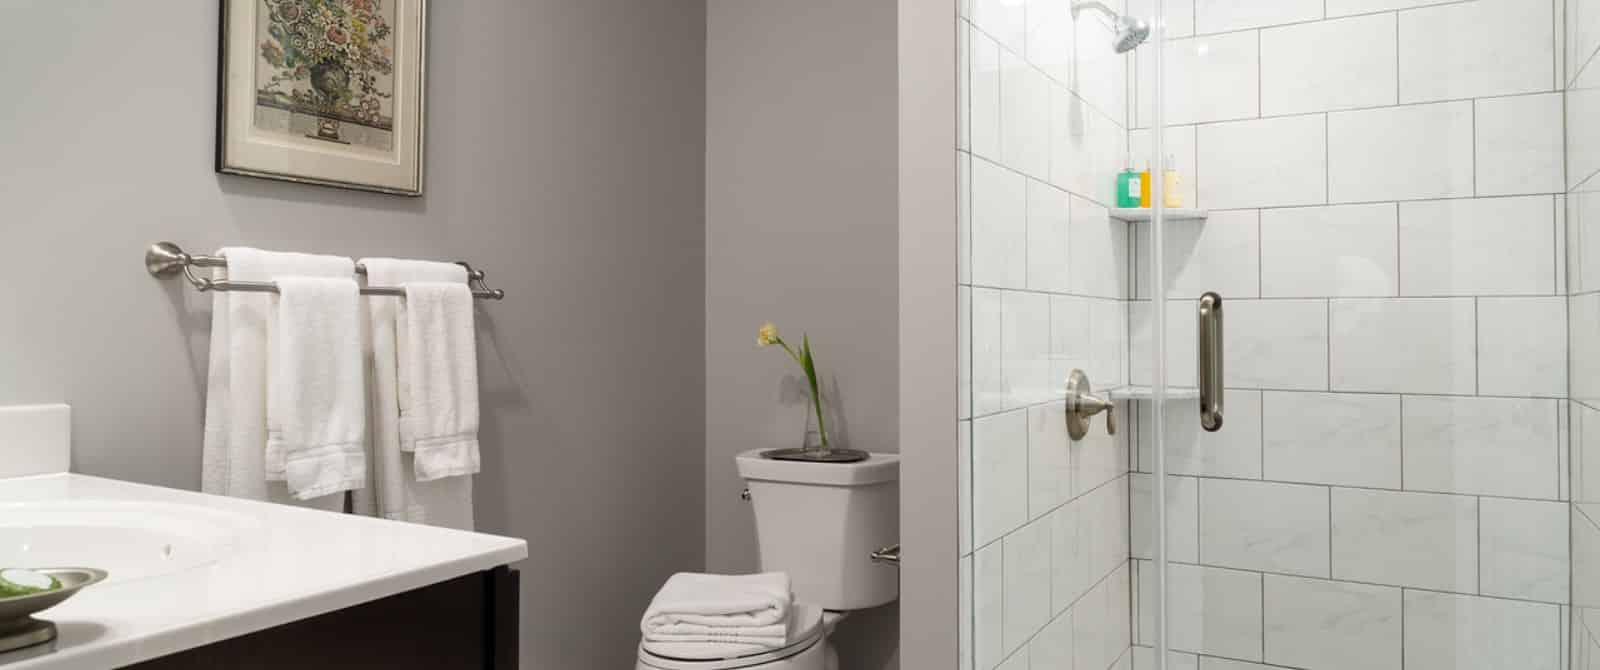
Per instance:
{"type": "Point", "coordinates": [1131, 32]}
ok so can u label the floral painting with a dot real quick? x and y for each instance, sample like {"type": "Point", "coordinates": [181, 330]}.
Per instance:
{"type": "Point", "coordinates": [323, 91]}
{"type": "Point", "coordinates": [331, 60]}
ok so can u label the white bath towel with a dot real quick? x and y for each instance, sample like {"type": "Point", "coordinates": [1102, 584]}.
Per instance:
{"type": "Point", "coordinates": [439, 377]}
{"type": "Point", "coordinates": [397, 494]}
{"type": "Point", "coordinates": [706, 616]}
{"type": "Point", "coordinates": [233, 459]}
{"type": "Point", "coordinates": [316, 396]}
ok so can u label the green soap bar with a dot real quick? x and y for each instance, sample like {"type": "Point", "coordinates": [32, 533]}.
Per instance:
{"type": "Point", "coordinates": [18, 582]}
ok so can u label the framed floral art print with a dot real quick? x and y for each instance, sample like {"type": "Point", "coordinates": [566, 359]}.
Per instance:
{"type": "Point", "coordinates": [323, 92]}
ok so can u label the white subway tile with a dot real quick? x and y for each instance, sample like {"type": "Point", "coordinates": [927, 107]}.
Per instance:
{"type": "Point", "coordinates": [1331, 438]}
{"type": "Point", "coordinates": [1087, 149]}
{"type": "Point", "coordinates": [1017, 661]}
{"type": "Point", "coordinates": [1425, 540]}
{"type": "Point", "coordinates": [964, 217]}
{"type": "Point", "coordinates": [1232, 452]}
{"type": "Point", "coordinates": [1456, 632]}
{"type": "Point", "coordinates": [1052, 647]}
{"type": "Point", "coordinates": [1279, 162]}
{"type": "Point", "coordinates": [983, 111]}
{"type": "Point", "coordinates": [1108, 332]}
{"type": "Point", "coordinates": [1099, 73]}
{"type": "Point", "coordinates": [964, 594]}
{"type": "Point", "coordinates": [1209, 78]}
{"type": "Point", "coordinates": [1583, 127]}
{"type": "Point", "coordinates": [1103, 527]}
{"type": "Point", "coordinates": [1178, 14]}
{"type": "Point", "coordinates": [1025, 348]}
{"type": "Point", "coordinates": [999, 475]}
{"type": "Point", "coordinates": [1050, 37]}
{"type": "Point", "coordinates": [1024, 117]}
{"type": "Point", "coordinates": [1215, 16]}
{"type": "Point", "coordinates": [1100, 623]}
{"type": "Point", "coordinates": [1098, 250]}
{"type": "Point", "coordinates": [1048, 219]}
{"type": "Point", "coordinates": [1314, 623]}
{"type": "Point", "coordinates": [1585, 562]}
{"type": "Point", "coordinates": [1027, 583]}
{"type": "Point", "coordinates": [1405, 345]}
{"type": "Point", "coordinates": [1481, 446]}
{"type": "Point", "coordinates": [1144, 658]}
{"type": "Point", "coordinates": [1276, 344]}
{"type": "Point", "coordinates": [1177, 143]}
{"type": "Point", "coordinates": [963, 85]}
{"type": "Point", "coordinates": [1329, 65]}
{"type": "Point", "coordinates": [1069, 557]}
{"type": "Point", "coordinates": [1476, 49]}
{"type": "Point", "coordinates": [1348, 250]}
{"type": "Point", "coordinates": [1400, 153]}
{"type": "Point", "coordinates": [988, 606]}
{"type": "Point", "coordinates": [1072, 346]}
{"type": "Point", "coordinates": [1264, 526]}
{"type": "Point", "coordinates": [1180, 342]}
{"type": "Point", "coordinates": [988, 391]}
{"type": "Point", "coordinates": [1099, 458]}
{"type": "Point", "coordinates": [1003, 19]}
{"type": "Point", "coordinates": [1583, 327]}
{"type": "Point", "coordinates": [1211, 610]}
{"type": "Point", "coordinates": [1183, 517]}
{"type": "Point", "coordinates": [1050, 477]}
{"type": "Point", "coordinates": [1521, 350]}
{"type": "Point", "coordinates": [1346, 7]}
{"type": "Point", "coordinates": [999, 226]}
{"type": "Point", "coordinates": [1485, 246]}
{"type": "Point", "coordinates": [1582, 32]}
{"type": "Point", "coordinates": [1520, 144]}
{"type": "Point", "coordinates": [1221, 253]}
{"type": "Point", "coordinates": [1213, 663]}
{"type": "Point", "coordinates": [964, 352]}
{"type": "Point", "coordinates": [1525, 549]}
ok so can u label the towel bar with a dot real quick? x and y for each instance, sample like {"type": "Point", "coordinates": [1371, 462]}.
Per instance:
{"type": "Point", "coordinates": [165, 260]}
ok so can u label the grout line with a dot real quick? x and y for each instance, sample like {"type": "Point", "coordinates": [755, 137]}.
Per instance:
{"type": "Point", "coordinates": [1351, 110]}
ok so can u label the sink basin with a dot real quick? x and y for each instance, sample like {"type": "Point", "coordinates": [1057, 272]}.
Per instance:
{"type": "Point", "coordinates": [131, 541]}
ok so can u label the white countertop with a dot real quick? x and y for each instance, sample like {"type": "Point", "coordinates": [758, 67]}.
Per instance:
{"type": "Point", "coordinates": [247, 566]}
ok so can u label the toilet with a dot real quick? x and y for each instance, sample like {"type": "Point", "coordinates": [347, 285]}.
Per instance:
{"type": "Point", "coordinates": [820, 523]}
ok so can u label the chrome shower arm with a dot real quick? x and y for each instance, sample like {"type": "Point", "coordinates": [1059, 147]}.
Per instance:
{"type": "Point", "coordinates": [1081, 5]}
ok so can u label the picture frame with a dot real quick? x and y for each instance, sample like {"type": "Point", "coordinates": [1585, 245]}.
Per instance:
{"type": "Point", "coordinates": [326, 92]}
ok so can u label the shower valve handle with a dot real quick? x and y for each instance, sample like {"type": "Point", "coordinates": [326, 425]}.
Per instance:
{"type": "Point", "coordinates": [1082, 404]}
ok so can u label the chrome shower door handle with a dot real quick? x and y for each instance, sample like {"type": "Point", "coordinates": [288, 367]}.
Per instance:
{"type": "Point", "coordinates": [1210, 355]}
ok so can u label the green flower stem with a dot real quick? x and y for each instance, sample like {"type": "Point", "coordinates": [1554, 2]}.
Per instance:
{"type": "Point", "coordinates": [808, 364]}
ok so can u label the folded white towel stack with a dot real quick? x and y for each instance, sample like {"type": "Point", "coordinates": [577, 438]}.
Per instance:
{"type": "Point", "coordinates": [234, 454]}
{"type": "Point", "coordinates": [398, 495]}
{"type": "Point", "coordinates": [717, 616]}
{"type": "Point", "coordinates": [439, 375]}
{"type": "Point", "coordinates": [316, 395]}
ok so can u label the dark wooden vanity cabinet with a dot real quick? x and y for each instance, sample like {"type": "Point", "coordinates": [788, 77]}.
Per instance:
{"type": "Point", "coordinates": [467, 623]}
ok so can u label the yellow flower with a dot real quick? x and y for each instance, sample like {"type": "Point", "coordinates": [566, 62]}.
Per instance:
{"type": "Point", "coordinates": [768, 335]}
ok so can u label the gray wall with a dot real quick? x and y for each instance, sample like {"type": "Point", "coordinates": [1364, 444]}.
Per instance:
{"type": "Point", "coordinates": [801, 230]}
{"type": "Point", "coordinates": [564, 157]}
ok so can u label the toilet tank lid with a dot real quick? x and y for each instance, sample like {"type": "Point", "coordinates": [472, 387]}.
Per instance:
{"type": "Point", "coordinates": [878, 468]}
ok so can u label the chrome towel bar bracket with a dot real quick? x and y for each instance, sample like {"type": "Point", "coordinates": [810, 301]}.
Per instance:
{"type": "Point", "coordinates": [165, 260]}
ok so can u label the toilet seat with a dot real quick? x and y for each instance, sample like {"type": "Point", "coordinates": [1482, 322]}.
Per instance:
{"type": "Point", "coordinates": [806, 630]}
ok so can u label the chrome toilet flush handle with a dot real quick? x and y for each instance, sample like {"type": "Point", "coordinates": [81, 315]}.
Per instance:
{"type": "Point", "coordinates": [1082, 404]}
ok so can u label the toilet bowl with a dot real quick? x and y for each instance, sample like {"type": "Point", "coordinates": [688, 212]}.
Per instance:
{"type": "Point", "coordinates": [819, 523]}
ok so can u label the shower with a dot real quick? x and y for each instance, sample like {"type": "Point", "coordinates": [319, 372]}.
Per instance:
{"type": "Point", "coordinates": [1130, 31]}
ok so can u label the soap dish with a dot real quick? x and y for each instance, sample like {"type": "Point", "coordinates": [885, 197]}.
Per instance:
{"type": "Point", "coordinates": [19, 629]}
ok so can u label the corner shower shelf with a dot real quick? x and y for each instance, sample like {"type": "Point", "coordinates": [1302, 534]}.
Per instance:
{"type": "Point", "coordinates": [1144, 393]}
{"type": "Point", "coordinates": [1143, 214]}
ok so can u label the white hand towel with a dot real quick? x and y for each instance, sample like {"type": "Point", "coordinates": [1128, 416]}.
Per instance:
{"type": "Point", "coordinates": [398, 495]}
{"type": "Point", "coordinates": [440, 373]}
{"type": "Point", "coordinates": [234, 452]}
{"type": "Point", "coordinates": [711, 615]}
{"type": "Point", "coordinates": [316, 402]}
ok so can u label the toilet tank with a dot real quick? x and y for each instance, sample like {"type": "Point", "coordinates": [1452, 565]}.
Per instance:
{"type": "Point", "coordinates": [820, 523]}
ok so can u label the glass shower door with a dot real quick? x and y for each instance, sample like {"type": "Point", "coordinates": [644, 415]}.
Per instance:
{"type": "Point", "coordinates": [1377, 193]}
